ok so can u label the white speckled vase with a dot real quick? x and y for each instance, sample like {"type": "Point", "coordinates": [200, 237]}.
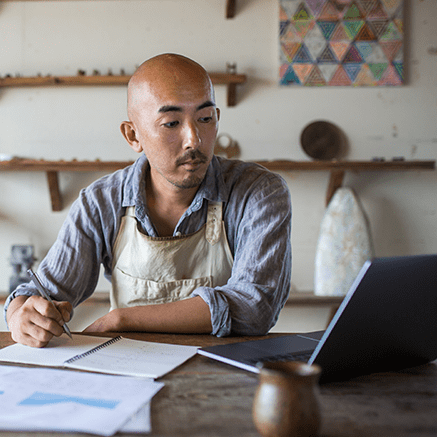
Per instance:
{"type": "Point", "coordinates": [344, 245]}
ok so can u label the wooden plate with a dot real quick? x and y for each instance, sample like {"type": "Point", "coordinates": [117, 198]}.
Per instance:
{"type": "Point", "coordinates": [322, 140]}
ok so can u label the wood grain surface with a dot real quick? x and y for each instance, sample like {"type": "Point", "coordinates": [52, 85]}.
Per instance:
{"type": "Point", "coordinates": [207, 398]}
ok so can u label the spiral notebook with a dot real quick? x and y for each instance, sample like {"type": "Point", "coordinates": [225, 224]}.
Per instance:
{"type": "Point", "coordinates": [118, 356]}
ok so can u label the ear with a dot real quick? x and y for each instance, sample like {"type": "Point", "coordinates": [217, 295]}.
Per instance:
{"type": "Point", "coordinates": [218, 113]}
{"type": "Point", "coordinates": [128, 131]}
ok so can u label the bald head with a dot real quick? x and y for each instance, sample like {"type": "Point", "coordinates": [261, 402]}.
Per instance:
{"type": "Point", "coordinates": [173, 121]}
{"type": "Point", "coordinates": [167, 72]}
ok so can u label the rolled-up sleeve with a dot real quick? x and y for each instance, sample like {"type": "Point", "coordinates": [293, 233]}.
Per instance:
{"type": "Point", "coordinates": [70, 270]}
{"type": "Point", "coordinates": [258, 223]}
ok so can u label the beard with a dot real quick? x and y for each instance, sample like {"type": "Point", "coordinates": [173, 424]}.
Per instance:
{"type": "Point", "coordinates": [193, 177]}
{"type": "Point", "coordinates": [192, 180]}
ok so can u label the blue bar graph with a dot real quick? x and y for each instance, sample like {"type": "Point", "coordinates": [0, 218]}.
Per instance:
{"type": "Point", "coordinates": [41, 398]}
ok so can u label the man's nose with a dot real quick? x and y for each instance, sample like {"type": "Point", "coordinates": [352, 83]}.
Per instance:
{"type": "Point", "coordinates": [192, 138]}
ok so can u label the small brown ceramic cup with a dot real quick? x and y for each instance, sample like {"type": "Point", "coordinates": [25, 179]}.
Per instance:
{"type": "Point", "coordinates": [286, 400]}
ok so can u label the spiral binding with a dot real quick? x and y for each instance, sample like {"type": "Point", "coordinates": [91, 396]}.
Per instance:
{"type": "Point", "coordinates": [94, 349]}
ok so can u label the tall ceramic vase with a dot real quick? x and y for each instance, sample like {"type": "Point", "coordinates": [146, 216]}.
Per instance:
{"type": "Point", "coordinates": [344, 245]}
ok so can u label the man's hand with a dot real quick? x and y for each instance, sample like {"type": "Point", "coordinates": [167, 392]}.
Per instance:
{"type": "Point", "coordinates": [33, 321]}
{"type": "Point", "coordinates": [107, 323]}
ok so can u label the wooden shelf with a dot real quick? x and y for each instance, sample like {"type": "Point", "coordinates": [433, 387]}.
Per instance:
{"type": "Point", "coordinates": [231, 80]}
{"type": "Point", "coordinates": [230, 7]}
{"type": "Point", "coordinates": [286, 165]}
{"type": "Point", "coordinates": [229, 12]}
{"type": "Point", "coordinates": [52, 168]}
{"type": "Point", "coordinates": [21, 164]}
{"type": "Point", "coordinates": [337, 170]}
{"type": "Point", "coordinates": [310, 299]}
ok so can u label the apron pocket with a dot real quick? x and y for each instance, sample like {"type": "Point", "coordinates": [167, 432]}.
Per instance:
{"type": "Point", "coordinates": [131, 291]}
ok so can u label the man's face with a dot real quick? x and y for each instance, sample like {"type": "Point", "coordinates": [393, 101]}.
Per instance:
{"type": "Point", "coordinates": [176, 127]}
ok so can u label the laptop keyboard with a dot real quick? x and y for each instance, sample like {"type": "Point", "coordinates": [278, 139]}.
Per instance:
{"type": "Point", "coordinates": [301, 356]}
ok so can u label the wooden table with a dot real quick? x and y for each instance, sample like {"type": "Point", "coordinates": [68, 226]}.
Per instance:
{"type": "Point", "coordinates": [204, 398]}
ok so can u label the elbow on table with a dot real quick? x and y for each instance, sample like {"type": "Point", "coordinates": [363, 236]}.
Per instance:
{"type": "Point", "coordinates": [253, 329]}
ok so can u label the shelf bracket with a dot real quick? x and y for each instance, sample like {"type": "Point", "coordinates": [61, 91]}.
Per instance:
{"type": "Point", "coordinates": [230, 8]}
{"type": "Point", "coordinates": [335, 182]}
{"type": "Point", "coordinates": [232, 94]}
{"type": "Point", "coordinates": [55, 194]}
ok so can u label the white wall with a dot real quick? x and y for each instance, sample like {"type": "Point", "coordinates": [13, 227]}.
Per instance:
{"type": "Point", "coordinates": [60, 37]}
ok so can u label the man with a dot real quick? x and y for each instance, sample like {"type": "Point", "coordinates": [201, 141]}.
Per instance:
{"type": "Point", "coordinates": [191, 243]}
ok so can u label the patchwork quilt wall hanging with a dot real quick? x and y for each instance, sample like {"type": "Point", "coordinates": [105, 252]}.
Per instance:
{"type": "Point", "coordinates": [341, 42]}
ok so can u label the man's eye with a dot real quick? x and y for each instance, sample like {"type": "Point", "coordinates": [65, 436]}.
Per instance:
{"type": "Point", "coordinates": [171, 124]}
{"type": "Point", "coordinates": [205, 119]}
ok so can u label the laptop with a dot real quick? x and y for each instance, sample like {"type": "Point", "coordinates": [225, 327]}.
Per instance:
{"type": "Point", "coordinates": [387, 321]}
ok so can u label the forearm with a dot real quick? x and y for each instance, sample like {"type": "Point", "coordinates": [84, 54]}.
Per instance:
{"type": "Point", "coordinates": [189, 316]}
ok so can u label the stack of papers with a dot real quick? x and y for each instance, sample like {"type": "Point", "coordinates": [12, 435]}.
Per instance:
{"type": "Point", "coordinates": [36, 399]}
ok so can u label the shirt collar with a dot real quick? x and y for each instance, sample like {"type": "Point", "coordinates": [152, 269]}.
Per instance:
{"type": "Point", "coordinates": [135, 183]}
{"type": "Point", "coordinates": [212, 188]}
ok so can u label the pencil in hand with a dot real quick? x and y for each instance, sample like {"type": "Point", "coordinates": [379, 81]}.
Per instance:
{"type": "Point", "coordinates": [45, 295]}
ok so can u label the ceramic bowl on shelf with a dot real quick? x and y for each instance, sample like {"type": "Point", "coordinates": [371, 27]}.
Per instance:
{"type": "Point", "coordinates": [323, 140]}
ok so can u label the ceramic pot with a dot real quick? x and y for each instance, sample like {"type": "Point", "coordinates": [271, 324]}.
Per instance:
{"type": "Point", "coordinates": [286, 400]}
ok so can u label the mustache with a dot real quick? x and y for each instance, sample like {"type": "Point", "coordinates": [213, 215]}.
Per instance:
{"type": "Point", "coordinates": [192, 155]}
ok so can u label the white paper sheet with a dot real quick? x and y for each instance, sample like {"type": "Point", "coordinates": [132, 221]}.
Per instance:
{"type": "Point", "coordinates": [67, 401]}
{"type": "Point", "coordinates": [141, 422]}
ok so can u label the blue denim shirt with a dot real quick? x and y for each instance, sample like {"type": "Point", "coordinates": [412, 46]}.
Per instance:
{"type": "Point", "coordinates": [257, 216]}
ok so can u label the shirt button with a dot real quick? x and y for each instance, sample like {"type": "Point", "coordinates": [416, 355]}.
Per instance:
{"type": "Point", "coordinates": [178, 234]}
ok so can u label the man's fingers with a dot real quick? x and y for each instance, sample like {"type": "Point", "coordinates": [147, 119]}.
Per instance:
{"type": "Point", "coordinates": [40, 322]}
{"type": "Point", "coordinates": [31, 335]}
{"type": "Point", "coordinates": [28, 340]}
{"type": "Point", "coordinates": [36, 322]}
{"type": "Point", "coordinates": [52, 326]}
{"type": "Point", "coordinates": [65, 309]}
{"type": "Point", "coordinates": [45, 308]}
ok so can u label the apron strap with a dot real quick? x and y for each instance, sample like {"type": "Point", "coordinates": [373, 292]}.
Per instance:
{"type": "Point", "coordinates": [130, 211]}
{"type": "Point", "coordinates": [214, 222]}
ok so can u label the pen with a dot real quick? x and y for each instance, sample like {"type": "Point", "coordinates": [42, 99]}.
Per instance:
{"type": "Point", "coordinates": [46, 296]}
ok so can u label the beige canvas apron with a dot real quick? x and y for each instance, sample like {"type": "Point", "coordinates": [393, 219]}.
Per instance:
{"type": "Point", "coordinates": [151, 270]}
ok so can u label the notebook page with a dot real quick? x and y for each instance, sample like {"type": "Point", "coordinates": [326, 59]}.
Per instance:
{"type": "Point", "coordinates": [135, 358]}
{"type": "Point", "coordinates": [59, 350]}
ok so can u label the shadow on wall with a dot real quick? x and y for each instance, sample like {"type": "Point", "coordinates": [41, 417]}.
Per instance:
{"type": "Point", "coordinates": [397, 228]}
{"type": "Point", "coordinates": [391, 234]}
{"type": "Point", "coordinates": [253, 84]}
{"type": "Point", "coordinates": [71, 184]}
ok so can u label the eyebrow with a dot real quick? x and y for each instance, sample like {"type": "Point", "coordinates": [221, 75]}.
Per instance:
{"type": "Point", "coordinates": [174, 108]}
